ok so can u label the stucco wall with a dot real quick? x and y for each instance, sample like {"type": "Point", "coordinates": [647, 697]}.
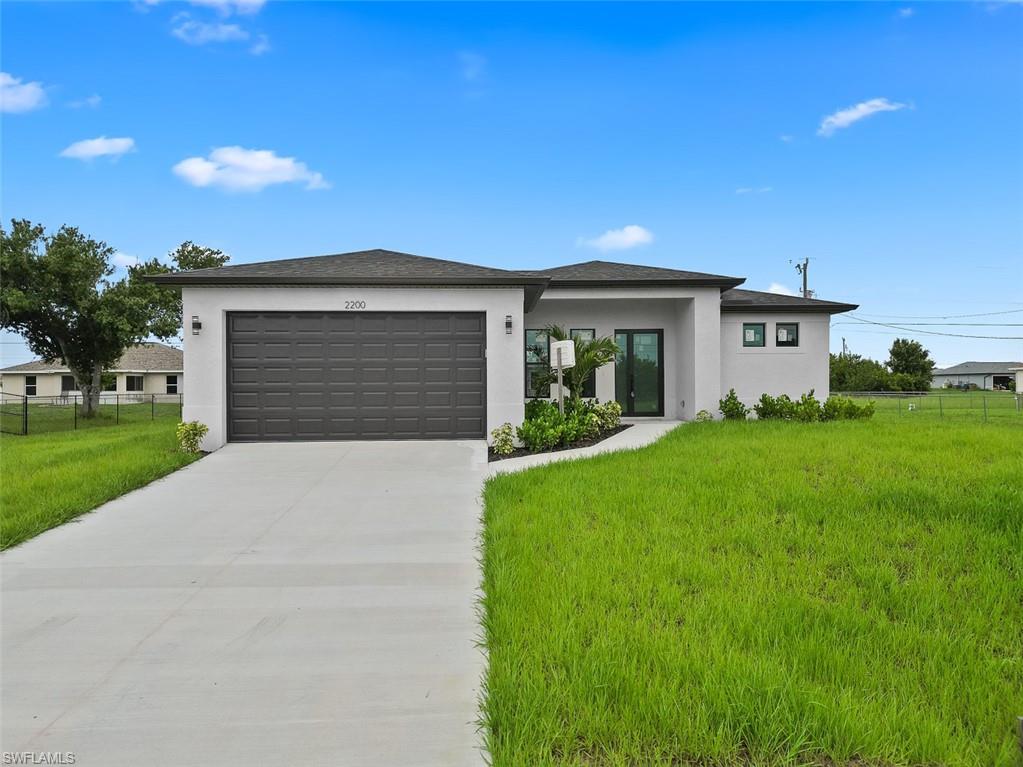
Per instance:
{"type": "Point", "coordinates": [205, 354]}
{"type": "Point", "coordinates": [47, 384]}
{"type": "Point", "coordinates": [982, 380]}
{"type": "Point", "coordinates": [690, 320]}
{"type": "Point", "coordinates": [771, 369]}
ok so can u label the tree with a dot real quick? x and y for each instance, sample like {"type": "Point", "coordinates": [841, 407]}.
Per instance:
{"type": "Point", "coordinates": [589, 355]}
{"type": "Point", "coordinates": [911, 364]}
{"type": "Point", "coordinates": [57, 293]}
{"type": "Point", "coordinates": [167, 301]}
{"type": "Point", "coordinates": [851, 372]}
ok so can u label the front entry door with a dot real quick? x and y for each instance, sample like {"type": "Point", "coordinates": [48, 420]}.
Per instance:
{"type": "Point", "coordinates": [639, 372]}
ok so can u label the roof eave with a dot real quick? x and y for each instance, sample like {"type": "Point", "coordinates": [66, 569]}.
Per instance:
{"type": "Point", "coordinates": [830, 308]}
{"type": "Point", "coordinates": [725, 283]}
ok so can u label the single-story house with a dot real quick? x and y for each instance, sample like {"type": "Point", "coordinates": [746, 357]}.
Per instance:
{"type": "Point", "coordinates": [383, 345]}
{"type": "Point", "coordinates": [147, 368]}
{"type": "Point", "coordinates": [986, 375]}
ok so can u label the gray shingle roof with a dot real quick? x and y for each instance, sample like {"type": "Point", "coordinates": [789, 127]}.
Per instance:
{"type": "Point", "coordinates": [979, 368]}
{"type": "Point", "coordinates": [362, 267]}
{"type": "Point", "coordinates": [608, 273]}
{"type": "Point", "coordinates": [137, 359]}
{"type": "Point", "coordinates": [743, 300]}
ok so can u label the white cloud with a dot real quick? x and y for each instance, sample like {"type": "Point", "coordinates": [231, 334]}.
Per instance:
{"type": "Point", "coordinates": [123, 260]}
{"type": "Point", "coordinates": [261, 46]}
{"type": "Point", "coordinates": [781, 290]}
{"type": "Point", "coordinates": [91, 148]}
{"type": "Point", "coordinates": [200, 33]}
{"type": "Point", "coordinates": [19, 96]}
{"type": "Point", "coordinates": [627, 237]}
{"type": "Point", "coordinates": [843, 118]}
{"type": "Point", "coordinates": [473, 66]}
{"type": "Point", "coordinates": [905, 13]}
{"type": "Point", "coordinates": [90, 102]}
{"type": "Point", "coordinates": [754, 189]}
{"type": "Point", "coordinates": [227, 7]}
{"type": "Point", "coordinates": [235, 168]}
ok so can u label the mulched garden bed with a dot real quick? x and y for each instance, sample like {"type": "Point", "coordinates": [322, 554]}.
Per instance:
{"type": "Point", "coordinates": [521, 451]}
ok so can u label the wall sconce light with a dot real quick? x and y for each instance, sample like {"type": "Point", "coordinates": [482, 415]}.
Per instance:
{"type": "Point", "coordinates": [507, 324]}
{"type": "Point", "coordinates": [196, 325]}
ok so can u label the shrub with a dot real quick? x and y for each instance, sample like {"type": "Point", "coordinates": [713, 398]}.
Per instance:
{"type": "Point", "coordinates": [537, 408]}
{"type": "Point", "coordinates": [732, 408]}
{"type": "Point", "coordinates": [780, 407]}
{"type": "Point", "coordinates": [503, 439]}
{"type": "Point", "coordinates": [543, 431]}
{"type": "Point", "coordinates": [808, 408]}
{"type": "Point", "coordinates": [703, 416]}
{"type": "Point", "coordinates": [844, 409]}
{"type": "Point", "coordinates": [190, 435]}
{"type": "Point", "coordinates": [609, 415]}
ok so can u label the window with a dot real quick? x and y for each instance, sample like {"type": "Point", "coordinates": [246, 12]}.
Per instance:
{"type": "Point", "coordinates": [108, 382]}
{"type": "Point", "coordinates": [133, 383]}
{"type": "Point", "coordinates": [30, 386]}
{"type": "Point", "coordinates": [67, 383]}
{"type": "Point", "coordinates": [752, 334]}
{"type": "Point", "coordinates": [590, 384]}
{"type": "Point", "coordinates": [786, 334]}
{"type": "Point", "coordinates": [538, 354]}
{"type": "Point", "coordinates": [172, 384]}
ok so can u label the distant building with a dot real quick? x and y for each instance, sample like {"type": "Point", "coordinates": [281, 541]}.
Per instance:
{"type": "Point", "coordinates": [985, 375]}
{"type": "Point", "coordinates": [149, 368]}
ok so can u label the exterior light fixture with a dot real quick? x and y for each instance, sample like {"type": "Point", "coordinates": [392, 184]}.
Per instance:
{"type": "Point", "coordinates": [196, 325]}
{"type": "Point", "coordinates": [507, 324]}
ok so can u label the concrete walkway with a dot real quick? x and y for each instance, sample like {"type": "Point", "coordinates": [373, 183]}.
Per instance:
{"type": "Point", "coordinates": [306, 604]}
{"type": "Point", "coordinates": [642, 433]}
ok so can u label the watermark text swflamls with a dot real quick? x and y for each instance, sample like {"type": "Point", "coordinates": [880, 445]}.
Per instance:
{"type": "Point", "coordinates": [38, 757]}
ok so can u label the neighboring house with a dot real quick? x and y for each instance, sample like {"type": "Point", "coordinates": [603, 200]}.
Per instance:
{"type": "Point", "coordinates": [384, 345]}
{"type": "Point", "coordinates": [148, 368]}
{"type": "Point", "coordinates": [985, 375]}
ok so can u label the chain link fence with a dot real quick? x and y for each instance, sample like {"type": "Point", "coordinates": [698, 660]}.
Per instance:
{"type": "Point", "coordinates": [980, 405]}
{"type": "Point", "coordinates": [35, 415]}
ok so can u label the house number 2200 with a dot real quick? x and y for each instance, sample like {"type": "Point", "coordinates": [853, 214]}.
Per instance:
{"type": "Point", "coordinates": [355, 304]}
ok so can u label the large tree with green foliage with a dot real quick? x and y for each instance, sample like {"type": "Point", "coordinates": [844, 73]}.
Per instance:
{"type": "Point", "coordinates": [185, 257]}
{"type": "Point", "coordinates": [58, 293]}
{"type": "Point", "coordinates": [911, 364]}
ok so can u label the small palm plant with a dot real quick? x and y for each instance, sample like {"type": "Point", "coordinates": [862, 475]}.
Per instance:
{"type": "Point", "coordinates": [589, 355]}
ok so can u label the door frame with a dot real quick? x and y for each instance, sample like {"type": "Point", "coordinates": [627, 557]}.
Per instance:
{"type": "Point", "coordinates": [660, 367]}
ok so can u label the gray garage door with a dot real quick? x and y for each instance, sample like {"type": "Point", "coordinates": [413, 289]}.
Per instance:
{"type": "Point", "coordinates": [369, 375]}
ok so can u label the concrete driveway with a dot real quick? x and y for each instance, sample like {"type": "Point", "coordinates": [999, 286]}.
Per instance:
{"type": "Point", "coordinates": [304, 604]}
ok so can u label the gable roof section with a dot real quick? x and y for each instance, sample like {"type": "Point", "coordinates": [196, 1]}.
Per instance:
{"type": "Point", "coordinates": [980, 368]}
{"type": "Point", "coordinates": [149, 356]}
{"type": "Point", "coordinates": [736, 300]}
{"type": "Point", "coordinates": [597, 274]}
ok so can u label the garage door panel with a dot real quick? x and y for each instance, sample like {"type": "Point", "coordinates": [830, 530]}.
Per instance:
{"type": "Point", "coordinates": [341, 375]}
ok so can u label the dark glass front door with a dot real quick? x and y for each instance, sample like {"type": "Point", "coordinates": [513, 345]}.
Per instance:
{"type": "Point", "coordinates": [639, 372]}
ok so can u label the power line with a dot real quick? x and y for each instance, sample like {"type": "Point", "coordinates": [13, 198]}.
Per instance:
{"type": "Point", "coordinates": [935, 332]}
{"type": "Point", "coordinates": [957, 324]}
{"type": "Point", "coordinates": [941, 317]}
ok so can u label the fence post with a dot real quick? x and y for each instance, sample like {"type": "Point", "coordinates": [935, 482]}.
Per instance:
{"type": "Point", "coordinates": [74, 404]}
{"type": "Point", "coordinates": [24, 416]}
{"type": "Point", "coordinates": [117, 409]}
{"type": "Point", "coordinates": [941, 410]}
{"type": "Point", "coordinates": [984, 401]}
{"type": "Point", "coordinates": [152, 400]}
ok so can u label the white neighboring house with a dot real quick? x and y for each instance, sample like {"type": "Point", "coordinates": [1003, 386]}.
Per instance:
{"type": "Point", "coordinates": [985, 375]}
{"type": "Point", "coordinates": [147, 368]}
{"type": "Point", "coordinates": [384, 345]}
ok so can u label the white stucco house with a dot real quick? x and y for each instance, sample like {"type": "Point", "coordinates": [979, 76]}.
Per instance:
{"type": "Point", "coordinates": [384, 345]}
{"type": "Point", "coordinates": [983, 375]}
{"type": "Point", "coordinates": [146, 368]}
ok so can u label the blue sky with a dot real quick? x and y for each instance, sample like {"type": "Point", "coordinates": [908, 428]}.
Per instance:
{"type": "Point", "coordinates": [517, 135]}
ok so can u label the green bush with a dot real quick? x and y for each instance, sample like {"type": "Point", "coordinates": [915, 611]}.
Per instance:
{"type": "Point", "coordinates": [190, 436]}
{"type": "Point", "coordinates": [845, 409]}
{"type": "Point", "coordinates": [780, 407]}
{"type": "Point", "coordinates": [609, 415]}
{"type": "Point", "coordinates": [731, 407]}
{"type": "Point", "coordinates": [503, 439]}
{"type": "Point", "coordinates": [543, 431]}
{"type": "Point", "coordinates": [704, 416]}
{"type": "Point", "coordinates": [808, 408]}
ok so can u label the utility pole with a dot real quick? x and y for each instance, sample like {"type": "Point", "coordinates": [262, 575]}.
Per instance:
{"type": "Point", "coordinates": [845, 348]}
{"type": "Point", "coordinates": [803, 268]}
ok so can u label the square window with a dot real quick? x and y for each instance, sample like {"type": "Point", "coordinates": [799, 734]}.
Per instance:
{"type": "Point", "coordinates": [786, 334]}
{"type": "Point", "coordinates": [67, 383]}
{"type": "Point", "coordinates": [133, 383]}
{"type": "Point", "coordinates": [30, 386]}
{"type": "Point", "coordinates": [590, 384]}
{"type": "Point", "coordinates": [752, 334]}
{"type": "Point", "coordinates": [538, 353]}
{"type": "Point", "coordinates": [172, 384]}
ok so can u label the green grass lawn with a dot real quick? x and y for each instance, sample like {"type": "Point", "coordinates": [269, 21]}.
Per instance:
{"type": "Point", "coordinates": [761, 594]}
{"type": "Point", "coordinates": [49, 479]}
{"type": "Point", "coordinates": [50, 417]}
{"type": "Point", "coordinates": [949, 405]}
